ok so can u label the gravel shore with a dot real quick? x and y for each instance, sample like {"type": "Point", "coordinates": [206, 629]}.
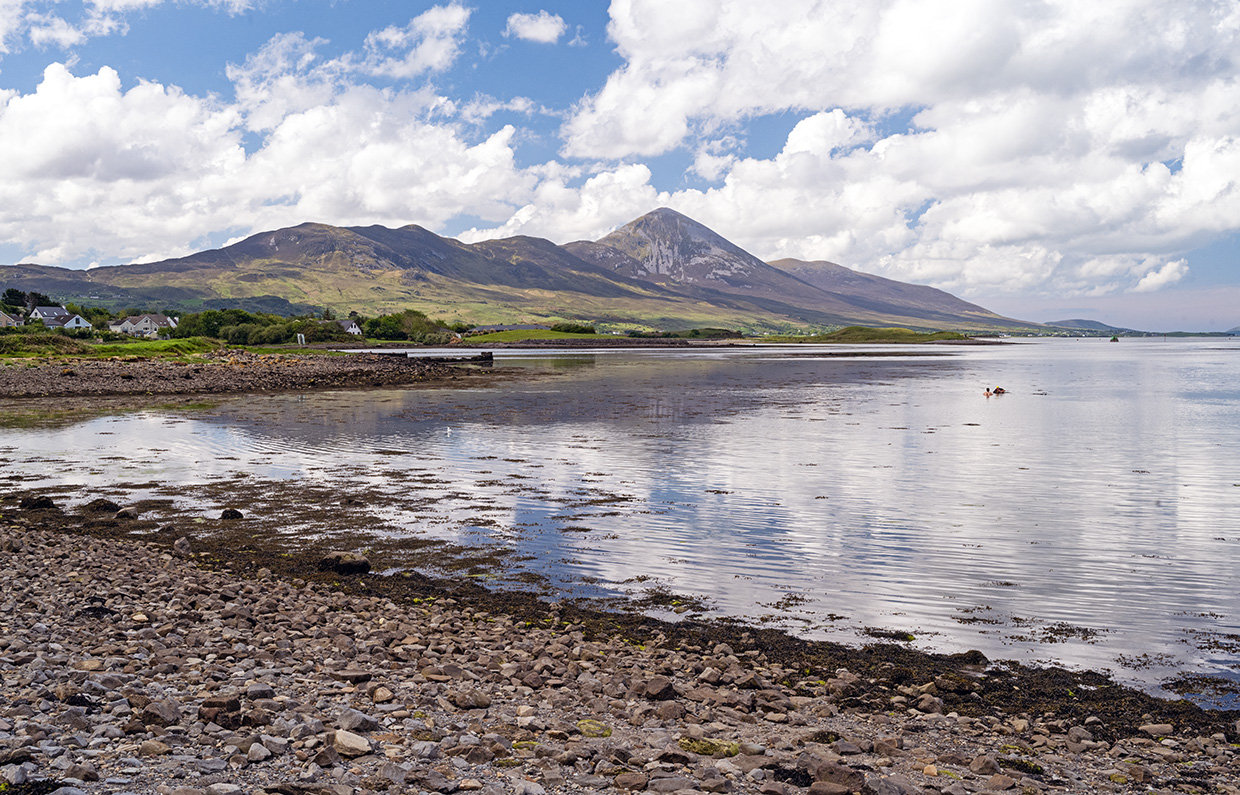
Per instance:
{"type": "Point", "coordinates": [135, 667]}
{"type": "Point", "coordinates": [222, 372]}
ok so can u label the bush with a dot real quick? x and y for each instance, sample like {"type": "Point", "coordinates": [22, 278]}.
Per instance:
{"type": "Point", "coordinates": [574, 328]}
{"type": "Point", "coordinates": [410, 325]}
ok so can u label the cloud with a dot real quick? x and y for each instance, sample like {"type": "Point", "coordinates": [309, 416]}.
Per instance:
{"type": "Point", "coordinates": [1169, 273]}
{"type": "Point", "coordinates": [561, 211]}
{"type": "Point", "coordinates": [1052, 147]}
{"type": "Point", "coordinates": [41, 23]}
{"type": "Point", "coordinates": [430, 42]}
{"type": "Point", "coordinates": [140, 174]}
{"type": "Point", "coordinates": [542, 27]}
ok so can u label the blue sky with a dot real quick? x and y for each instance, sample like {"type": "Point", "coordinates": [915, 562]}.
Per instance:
{"type": "Point", "coordinates": [1046, 160]}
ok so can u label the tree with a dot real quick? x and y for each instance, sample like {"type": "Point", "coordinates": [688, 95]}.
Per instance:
{"type": "Point", "coordinates": [34, 299]}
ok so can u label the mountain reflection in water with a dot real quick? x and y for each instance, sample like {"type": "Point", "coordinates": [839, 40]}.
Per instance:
{"type": "Point", "coordinates": [1086, 517]}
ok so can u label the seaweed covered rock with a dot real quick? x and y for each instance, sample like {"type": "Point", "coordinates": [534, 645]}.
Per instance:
{"type": "Point", "coordinates": [344, 563]}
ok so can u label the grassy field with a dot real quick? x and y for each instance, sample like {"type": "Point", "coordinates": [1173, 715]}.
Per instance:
{"type": "Point", "coordinates": [25, 346]}
{"type": "Point", "coordinates": [530, 334]}
{"type": "Point", "coordinates": [852, 335]}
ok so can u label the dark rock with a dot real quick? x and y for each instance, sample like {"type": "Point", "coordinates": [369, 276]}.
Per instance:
{"type": "Point", "coordinates": [822, 770]}
{"type": "Point", "coordinates": [40, 503]}
{"type": "Point", "coordinates": [631, 781]}
{"type": "Point", "coordinates": [181, 546]}
{"type": "Point", "coordinates": [100, 505]}
{"type": "Point", "coordinates": [355, 721]}
{"type": "Point", "coordinates": [344, 563]}
{"type": "Point", "coordinates": [160, 713]}
{"type": "Point", "coordinates": [230, 514]}
{"type": "Point", "coordinates": [14, 756]}
{"type": "Point", "coordinates": [660, 688]}
{"type": "Point", "coordinates": [259, 690]}
{"type": "Point", "coordinates": [984, 765]}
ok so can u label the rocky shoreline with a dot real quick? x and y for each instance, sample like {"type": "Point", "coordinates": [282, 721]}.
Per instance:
{"type": "Point", "coordinates": [218, 372]}
{"type": "Point", "coordinates": [166, 666]}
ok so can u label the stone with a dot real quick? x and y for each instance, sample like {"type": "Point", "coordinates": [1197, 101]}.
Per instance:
{"type": "Point", "coordinates": [835, 773]}
{"type": "Point", "coordinates": [828, 788]}
{"type": "Point", "coordinates": [1157, 729]}
{"type": "Point", "coordinates": [1079, 734]}
{"type": "Point", "coordinates": [984, 765]}
{"type": "Point", "coordinates": [344, 563]}
{"type": "Point", "coordinates": [929, 704]}
{"type": "Point", "coordinates": [259, 690]}
{"type": "Point", "coordinates": [82, 772]}
{"type": "Point", "coordinates": [223, 788]}
{"type": "Point", "coordinates": [160, 713]}
{"type": "Point", "coordinates": [630, 781]}
{"type": "Point", "coordinates": [593, 728]}
{"type": "Point", "coordinates": [397, 774]}
{"type": "Point", "coordinates": [471, 699]}
{"type": "Point", "coordinates": [660, 688]}
{"type": "Point", "coordinates": [670, 784]}
{"type": "Point", "coordinates": [153, 748]}
{"type": "Point", "coordinates": [704, 746]}
{"type": "Point", "coordinates": [230, 514]}
{"type": "Point", "coordinates": [353, 676]}
{"type": "Point", "coordinates": [891, 785]}
{"type": "Point", "coordinates": [999, 782]}
{"type": "Point", "coordinates": [354, 721]}
{"type": "Point", "coordinates": [381, 695]}
{"type": "Point", "coordinates": [350, 745]}
{"type": "Point", "coordinates": [258, 753]}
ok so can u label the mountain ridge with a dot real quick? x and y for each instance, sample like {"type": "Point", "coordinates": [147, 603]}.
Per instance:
{"type": "Point", "coordinates": [662, 270]}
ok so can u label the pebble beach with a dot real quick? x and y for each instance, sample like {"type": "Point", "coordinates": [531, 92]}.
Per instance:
{"type": "Point", "coordinates": [132, 666]}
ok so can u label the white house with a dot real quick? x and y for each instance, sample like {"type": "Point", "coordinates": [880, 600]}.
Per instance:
{"type": "Point", "coordinates": [350, 326]}
{"type": "Point", "coordinates": [59, 317]}
{"type": "Point", "coordinates": [51, 315]}
{"type": "Point", "coordinates": [76, 322]}
{"type": "Point", "coordinates": [150, 326]}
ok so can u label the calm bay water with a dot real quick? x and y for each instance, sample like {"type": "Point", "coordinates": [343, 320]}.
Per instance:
{"type": "Point", "coordinates": [1090, 517]}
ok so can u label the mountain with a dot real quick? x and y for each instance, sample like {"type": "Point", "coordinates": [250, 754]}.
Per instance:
{"type": "Point", "coordinates": [670, 249]}
{"type": "Point", "coordinates": [662, 270]}
{"type": "Point", "coordinates": [872, 293]}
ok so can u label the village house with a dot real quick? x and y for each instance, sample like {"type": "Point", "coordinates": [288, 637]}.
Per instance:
{"type": "Point", "coordinates": [59, 317]}
{"type": "Point", "coordinates": [350, 326]}
{"type": "Point", "coordinates": [9, 322]}
{"type": "Point", "coordinates": [150, 326]}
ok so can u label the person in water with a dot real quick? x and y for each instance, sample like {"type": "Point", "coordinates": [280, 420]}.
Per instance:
{"type": "Point", "coordinates": [1000, 390]}
{"type": "Point", "coordinates": [987, 391]}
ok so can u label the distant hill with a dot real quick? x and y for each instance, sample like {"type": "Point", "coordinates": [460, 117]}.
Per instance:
{"type": "Point", "coordinates": [1090, 325]}
{"type": "Point", "coordinates": [662, 270]}
{"type": "Point", "coordinates": [867, 292]}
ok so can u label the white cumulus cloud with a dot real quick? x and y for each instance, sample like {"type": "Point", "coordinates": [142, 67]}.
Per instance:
{"type": "Point", "coordinates": [542, 27]}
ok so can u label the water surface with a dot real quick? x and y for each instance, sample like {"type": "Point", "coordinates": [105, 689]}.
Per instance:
{"type": "Point", "coordinates": [1087, 517]}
